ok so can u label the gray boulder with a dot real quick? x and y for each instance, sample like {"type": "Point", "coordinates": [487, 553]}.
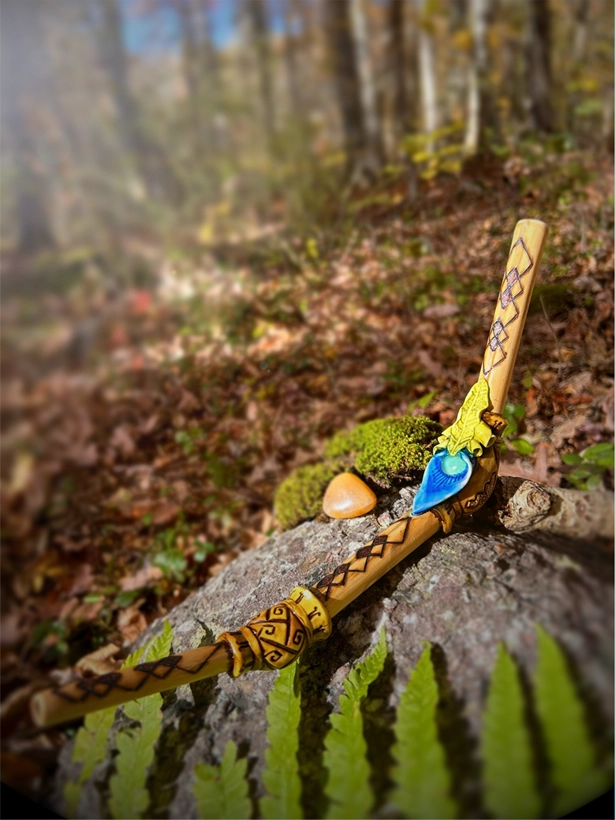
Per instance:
{"type": "Point", "coordinates": [463, 592]}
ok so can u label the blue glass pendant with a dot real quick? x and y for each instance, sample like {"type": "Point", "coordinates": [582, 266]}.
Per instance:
{"type": "Point", "coordinates": [445, 476]}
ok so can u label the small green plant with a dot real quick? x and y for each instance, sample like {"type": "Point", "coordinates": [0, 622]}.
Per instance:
{"type": "Point", "coordinates": [510, 781]}
{"type": "Point", "coordinates": [437, 152]}
{"type": "Point", "coordinates": [590, 466]}
{"type": "Point", "coordinates": [136, 745]}
{"type": "Point", "coordinates": [515, 416]}
{"type": "Point", "coordinates": [92, 738]}
{"type": "Point", "coordinates": [222, 791]}
{"type": "Point", "coordinates": [188, 439]}
{"type": "Point", "coordinates": [281, 775]}
{"type": "Point", "coordinates": [421, 777]}
{"type": "Point", "coordinates": [575, 776]}
{"type": "Point", "coordinates": [348, 787]}
{"type": "Point", "coordinates": [167, 556]}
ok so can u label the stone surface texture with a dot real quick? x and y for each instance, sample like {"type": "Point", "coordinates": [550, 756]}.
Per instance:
{"type": "Point", "coordinates": [463, 592]}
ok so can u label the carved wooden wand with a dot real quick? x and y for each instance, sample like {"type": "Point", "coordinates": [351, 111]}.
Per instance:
{"type": "Point", "coordinates": [459, 479]}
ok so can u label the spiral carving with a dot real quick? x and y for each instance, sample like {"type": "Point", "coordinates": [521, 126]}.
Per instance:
{"type": "Point", "coordinates": [278, 635]}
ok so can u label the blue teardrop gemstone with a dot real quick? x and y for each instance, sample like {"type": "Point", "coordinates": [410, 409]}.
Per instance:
{"type": "Point", "coordinates": [444, 477]}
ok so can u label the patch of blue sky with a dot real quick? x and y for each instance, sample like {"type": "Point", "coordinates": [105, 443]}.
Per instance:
{"type": "Point", "coordinates": [158, 30]}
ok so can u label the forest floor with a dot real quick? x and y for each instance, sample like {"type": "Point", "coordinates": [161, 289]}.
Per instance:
{"type": "Point", "coordinates": [146, 426]}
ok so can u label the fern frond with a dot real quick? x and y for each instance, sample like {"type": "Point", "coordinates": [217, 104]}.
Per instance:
{"type": "Point", "coordinates": [422, 781]}
{"type": "Point", "coordinates": [136, 746]}
{"type": "Point", "coordinates": [345, 754]}
{"type": "Point", "coordinates": [91, 740]}
{"type": "Point", "coordinates": [281, 777]}
{"type": "Point", "coordinates": [574, 773]}
{"type": "Point", "coordinates": [222, 791]}
{"type": "Point", "coordinates": [89, 749]}
{"type": "Point", "coordinates": [510, 783]}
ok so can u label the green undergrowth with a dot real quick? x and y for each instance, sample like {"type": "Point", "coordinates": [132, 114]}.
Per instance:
{"type": "Point", "coordinates": [421, 778]}
{"type": "Point", "coordinates": [382, 450]}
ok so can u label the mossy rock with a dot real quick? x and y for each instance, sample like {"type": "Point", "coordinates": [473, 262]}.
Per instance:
{"type": "Point", "coordinates": [300, 495]}
{"type": "Point", "coordinates": [383, 451]}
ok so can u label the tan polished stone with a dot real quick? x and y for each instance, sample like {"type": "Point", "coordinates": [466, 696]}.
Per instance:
{"type": "Point", "coordinates": [348, 497]}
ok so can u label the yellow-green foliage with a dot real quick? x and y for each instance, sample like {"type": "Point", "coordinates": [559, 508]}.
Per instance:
{"type": "Point", "coordinates": [136, 745]}
{"type": "Point", "coordinates": [422, 780]}
{"type": "Point", "coordinates": [508, 761]}
{"type": "Point", "coordinates": [348, 787]}
{"type": "Point", "coordinates": [222, 791]}
{"type": "Point", "coordinates": [92, 738]}
{"type": "Point", "coordinates": [385, 449]}
{"type": "Point", "coordinates": [281, 775]}
{"type": "Point", "coordinates": [300, 495]}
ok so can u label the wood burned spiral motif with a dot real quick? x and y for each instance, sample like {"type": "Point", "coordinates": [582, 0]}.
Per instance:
{"type": "Point", "coordinates": [277, 636]}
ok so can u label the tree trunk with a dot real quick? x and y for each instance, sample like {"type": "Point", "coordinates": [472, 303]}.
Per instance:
{"type": "Point", "coordinates": [23, 76]}
{"type": "Point", "coordinates": [398, 67]}
{"type": "Point", "coordinates": [292, 69]}
{"type": "Point", "coordinates": [260, 32]}
{"type": "Point", "coordinates": [346, 78]}
{"type": "Point", "coordinates": [481, 106]}
{"type": "Point", "coordinates": [367, 86]}
{"type": "Point", "coordinates": [429, 98]}
{"type": "Point", "coordinates": [539, 65]}
{"type": "Point", "coordinates": [157, 176]}
{"type": "Point", "coordinates": [464, 592]}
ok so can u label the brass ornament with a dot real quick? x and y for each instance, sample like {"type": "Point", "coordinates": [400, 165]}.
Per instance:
{"type": "Point", "coordinates": [277, 636]}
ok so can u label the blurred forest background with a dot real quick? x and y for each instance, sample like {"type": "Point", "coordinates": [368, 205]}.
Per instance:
{"type": "Point", "coordinates": [232, 227]}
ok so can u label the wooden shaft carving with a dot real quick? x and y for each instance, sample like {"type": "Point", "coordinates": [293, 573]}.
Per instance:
{"type": "Point", "coordinates": [277, 636]}
{"type": "Point", "coordinates": [511, 309]}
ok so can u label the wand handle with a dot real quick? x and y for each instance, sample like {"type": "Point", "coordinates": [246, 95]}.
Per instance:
{"type": "Point", "coordinates": [511, 309]}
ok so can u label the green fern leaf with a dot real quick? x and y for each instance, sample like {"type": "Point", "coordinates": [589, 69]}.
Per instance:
{"type": "Point", "coordinates": [136, 746]}
{"type": "Point", "coordinates": [422, 781]}
{"type": "Point", "coordinates": [89, 749]}
{"type": "Point", "coordinates": [222, 791]}
{"type": "Point", "coordinates": [91, 741]}
{"type": "Point", "coordinates": [510, 784]}
{"type": "Point", "coordinates": [159, 647]}
{"type": "Point", "coordinates": [345, 753]}
{"type": "Point", "coordinates": [281, 777]}
{"type": "Point", "coordinates": [573, 769]}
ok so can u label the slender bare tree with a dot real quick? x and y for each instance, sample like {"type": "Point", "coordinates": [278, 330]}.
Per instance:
{"type": "Point", "coordinates": [367, 87]}
{"type": "Point", "coordinates": [257, 11]}
{"type": "Point", "coordinates": [539, 64]}
{"type": "Point", "coordinates": [23, 91]}
{"type": "Point", "coordinates": [148, 156]}
{"type": "Point", "coordinates": [429, 99]}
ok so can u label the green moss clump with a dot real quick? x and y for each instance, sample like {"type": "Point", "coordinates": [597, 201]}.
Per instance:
{"type": "Point", "coordinates": [300, 495]}
{"type": "Point", "coordinates": [385, 449]}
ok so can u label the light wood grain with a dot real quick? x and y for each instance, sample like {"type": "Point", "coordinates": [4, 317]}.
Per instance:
{"type": "Point", "coordinates": [53, 706]}
{"type": "Point", "coordinates": [511, 309]}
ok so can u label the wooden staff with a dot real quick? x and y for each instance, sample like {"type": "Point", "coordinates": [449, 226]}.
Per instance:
{"type": "Point", "coordinates": [278, 635]}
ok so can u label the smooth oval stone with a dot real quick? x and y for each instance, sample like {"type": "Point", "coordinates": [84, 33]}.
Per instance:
{"type": "Point", "coordinates": [348, 497]}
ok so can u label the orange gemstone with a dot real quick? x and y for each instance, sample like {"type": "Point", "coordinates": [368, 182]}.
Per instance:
{"type": "Point", "coordinates": [348, 497]}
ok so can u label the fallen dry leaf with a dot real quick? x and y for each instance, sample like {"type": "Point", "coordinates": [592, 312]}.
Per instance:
{"type": "Point", "coordinates": [131, 622]}
{"type": "Point", "coordinates": [142, 578]}
{"type": "Point", "coordinates": [99, 662]}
